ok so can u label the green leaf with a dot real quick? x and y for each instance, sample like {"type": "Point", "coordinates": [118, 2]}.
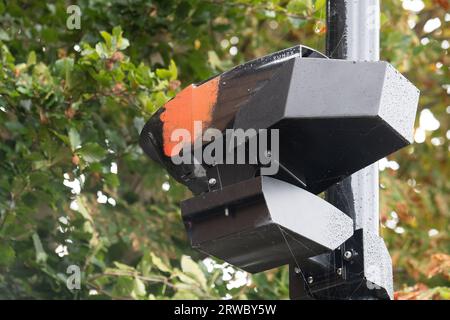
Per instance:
{"type": "Point", "coordinates": [74, 138]}
{"type": "Point", "coordinates": [173, 70]}
{"type": "Point", "coordinates": [120, 42]}
{"type": "Point", "coordinates": [157, 261]}
{"type": "Point", "coordinates": [191, 268]}
{"type": "Point", "coordinates": [15, 127]}
{"type": "Point", "coordinates": [123, 287]}
{"type": "Point", "coordinates": [92, 152]}
{"type": "Point", "coordinates": [63, 137]}
{"type": "Point", "coordinates": [4, 35]}
{"type": "Point", "coordinates": [83, 210]}
{"type": "Point", "coordinates": [64, 68]}
{"type": "Point", "coordinates": [7, 254]}
{"type": "Point", "coordinates": [145, 265]}
{"type": "Point", "coordinates": [39, 178]}
{"type": "Point", "coordinates": [123, 44]}
{"type": "Point", "coordinates": [107, 37]}
{"type": "Point", "coordinates": [31, 58]}
{"type": "Point", "coordinates": [159, 98]}
{"type": "Point", "coordinates": [102, 50]}
{"type": "Point", "coordinates": [163, 73]}
{"type": "Point", "coordinates": [186, 279]}
{"type": "Point", "coordinates": [111, 180]}
{"type": "Point", "coordinates": [41, 164]}
{"type": "Point", "coordinates": [117, 31]}
{"type": "Point", "coordinates": [169, 74]}
{"type": "Point", "coordinates": [297, 6]}
{"type": "Point", "coordinates": [297, 22]}
{"type": "Point", "coordinates": [41, 256]}
{"type": "Point", "coordinates": [124, 267]}
{"type": "Point", "coordinates": [138, 288]}
{"type": "Point", "coordinates": [29, 199]}
{"type": "Point", "coordinates": [215, 61]}
{"type": "Point", "coordinates": [319, 4]}
{"type": "Point", "coordinates": [138, 123]}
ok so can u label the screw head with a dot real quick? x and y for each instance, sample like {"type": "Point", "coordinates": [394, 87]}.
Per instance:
{"type": "Point", "coordinates": [339, 271]}
{"type": "Point", "coordinates": [310, 279]}
{"type": "Point", "coordinates": [268, 153]}
{"type": "Point", "coordinates": [348, 255]}
{"type": "Point", "coordinates": [212, 181]}
{"type": "Point", "coordinates": [297, 270]}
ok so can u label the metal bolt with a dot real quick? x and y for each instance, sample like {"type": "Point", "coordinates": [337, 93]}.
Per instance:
{"type": "Point", "coordinates": [227, 212]}
{"type": "Point", "coordinates": [348, 255]}
{"type": "Point", "coordinates": [212, 181]}
{"type": "Point", "coordinates": [339, 271]}
{"type": "Point", "coordinates": [310, 279]}
{"type": "Point", "coordinates": [297, 270]}
{"type": "Point", "coordinates": [268, 153]}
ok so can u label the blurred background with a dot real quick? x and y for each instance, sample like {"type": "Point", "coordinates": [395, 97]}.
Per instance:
{"type": "Point", "coordinates": [76, 189]}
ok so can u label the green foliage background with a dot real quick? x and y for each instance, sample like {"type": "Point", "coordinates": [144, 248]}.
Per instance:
{"type": "Point", "coordinates": [72, 103]}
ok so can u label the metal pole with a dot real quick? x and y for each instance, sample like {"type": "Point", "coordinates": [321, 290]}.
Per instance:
{"type": "Point", "coordinates": [353, 34]}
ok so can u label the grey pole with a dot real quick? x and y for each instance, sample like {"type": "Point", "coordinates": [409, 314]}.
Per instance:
{"type": "Point", "coordinates": [353, 30]}
{"type": "Point", "coordinates": [353, 33]}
